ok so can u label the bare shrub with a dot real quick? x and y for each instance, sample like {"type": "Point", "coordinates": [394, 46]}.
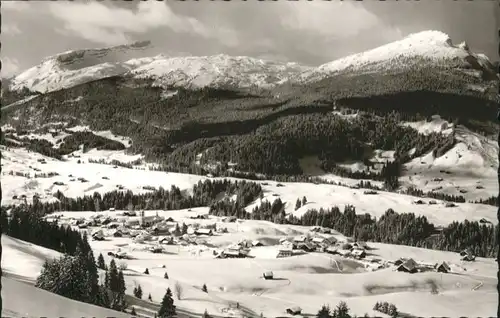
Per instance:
{"type": "Point", "coordinates": [122, 266]}
{"type": "Point", "coordinates": [432, 284]}
{"type": "Point", "coordinates": [178, 290]}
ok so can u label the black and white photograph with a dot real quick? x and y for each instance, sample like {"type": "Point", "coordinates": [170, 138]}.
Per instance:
{"type": "Point", "coordinates": [330, 159]}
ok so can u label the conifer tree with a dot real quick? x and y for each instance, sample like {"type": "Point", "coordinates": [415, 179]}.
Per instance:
{"type": "Point", "coordinates": [167, 308]}
{"type": "Point", "coordinates": [204, 288]}
{"type": "Point", "coordinates": [342, 311]}
{"type": "Point", "coordinates": [177, 231]}
{"type": "Point", "coordinates": [100, 262]}
{"type": "Point", "coordinates": [138, 291]}
{"type": "Point", "coordinates": [297, 204]}
{"type": "Point", "coordinates": [184, 229]}
{"type": "Point", "coordinates": [112, 282]}
{"type": "Point", "coordinates": [92, 278]}
{"type": "Point", "coordinates": [324, 312]}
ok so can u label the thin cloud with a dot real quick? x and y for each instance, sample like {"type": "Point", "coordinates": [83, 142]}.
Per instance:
{"type": "Point", "coordinates": [15, 5]}
{"type": "Point", "coordinates": [10, 66]}
{"type": "Point", "coordinates": [112, 25]}
{"type": "Point", "coordinates": [336, 19]}
{"type": "Point", "coordinates": [10, 29]}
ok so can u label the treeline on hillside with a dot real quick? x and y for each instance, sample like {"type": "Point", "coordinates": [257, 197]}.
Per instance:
{"type": "Point", "coordinates": [391, 228]}
{"type": "Point", "coordinates": [114, 162]}
{"type": "Point", "coordinates": [25, 223]}
{"type": "Point", "coordinates": [489, 201]}
{"type": "Point", "coordinates": [276, 148]}
{"type": "Point", "coordinates": [76, 277]}
{"type": "Point", "coordinates": [10, 96]}
{"type": "Point", "coordinates": [68, 145]}
{"type": "Point", "coordinates": [203, 194]}
{"type": "Point", "coordinates": [266, 135]}
{"type": "Point", "coordinates": [435, 195]}
{"type": "Point", "coordinates": [89, 140]}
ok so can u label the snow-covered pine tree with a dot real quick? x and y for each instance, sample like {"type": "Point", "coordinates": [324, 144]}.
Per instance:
{"type": "Point", "coordinates": [342, 311]}
{"type": "Point", "coordinates": [138, 292]}
{"type": "Point", "coordinates": [113, 276]}
{"type": "Point", "coordinates": [167, 308]}
{"type": "Point", "coordinates": [324, 312]}
{"type": "Point", "coordinates": [298, 204]}
{"type": "Point", "coordinates": [177, 231]}
{"type": "Point", "coordinates": [100, 262]}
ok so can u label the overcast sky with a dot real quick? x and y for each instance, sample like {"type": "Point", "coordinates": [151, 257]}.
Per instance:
{"type": "Point", "coordinates": [310, 33]}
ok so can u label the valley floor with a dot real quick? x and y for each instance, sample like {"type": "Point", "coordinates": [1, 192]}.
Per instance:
{"type": "Point", "coordinates": [308, 280]}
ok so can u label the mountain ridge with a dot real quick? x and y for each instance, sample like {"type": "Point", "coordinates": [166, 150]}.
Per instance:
{"type": "Point", "coordinates": [423, 49]}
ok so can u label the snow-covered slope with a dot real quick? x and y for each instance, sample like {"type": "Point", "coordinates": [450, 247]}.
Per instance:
{"type": "Point", "coordinates": [76, 67]}
{"type": "Point", "coordinates": [418, 49]}
{"type": "Point", "coordinates": [218, 70]}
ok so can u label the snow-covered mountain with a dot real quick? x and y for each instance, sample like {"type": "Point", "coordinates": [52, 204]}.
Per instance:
{"type": "Point", "coordinates": [428, 48]}
{"type": "Point", "coordinates": [71, 68]}
{"type": "Point", "coordinates": [68, 69]}
{"type": "Point", "coordinates": [218, 71]}
{"type": "Point", "coordinates": [76, 67]}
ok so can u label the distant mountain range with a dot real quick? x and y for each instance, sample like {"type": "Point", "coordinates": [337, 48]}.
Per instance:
{"type": "Point", "coordinates": [420, 50]}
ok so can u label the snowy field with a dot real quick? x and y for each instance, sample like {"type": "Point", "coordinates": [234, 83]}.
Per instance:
{"type": "Point", "coordinates": [104, 178]}
{"type": "Point", "coordinates": [468, 169]}
{"type": "Point", "coordinates": [44, 304]}
{"type": "Point", "coordinates": [308, 280]}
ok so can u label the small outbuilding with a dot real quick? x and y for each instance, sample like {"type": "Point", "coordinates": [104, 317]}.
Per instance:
{"type": "Point", "coordinates": [118, 233]}
{"type": "Point", "coordinates": [284, 253]}
{"type": "Point", "coordinates": [203, 232]}
{"type": "Point", "coordinates": [98, 235]}
{"type": "Point", "coordinates": [268, 275]}
{"type": "Point", "coordinates": [443, 268]}
{"type": "Point", "coordinates": [307, 247]}
{"type": "Point", "coordinates": [358, 254]}
{"type": "Point", "coordinates": [409, 266]}
{"type": "Point", "coordinates": [469, 258]}
{"type": "Point", "coordinates": [296, 310]}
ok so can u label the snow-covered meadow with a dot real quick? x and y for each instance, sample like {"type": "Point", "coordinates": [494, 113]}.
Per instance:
{"type": "Point", "coordinates": [308, 280]}
{"type": "Point", "coordinates": [105, 178]}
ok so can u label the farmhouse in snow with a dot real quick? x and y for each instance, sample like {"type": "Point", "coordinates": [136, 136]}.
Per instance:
{"type": "Point", "coordinates": [443, 268]}
{"type": "Point", "coordinates": [409, 266]}
{"type": "Point", "coordinates": [203, 232]}
{"type": "Point", "coordinates": [268, 275]}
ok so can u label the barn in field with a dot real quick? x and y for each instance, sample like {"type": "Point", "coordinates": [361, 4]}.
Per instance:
{"type": "Point", "coordinates": [409, 266]}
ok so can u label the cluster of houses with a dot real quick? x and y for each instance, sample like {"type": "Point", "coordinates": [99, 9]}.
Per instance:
{"type": "Point", "coordinates": [306, 243]}
{"type": "Point", "coordinates": [239, 250]}
{"type": "Point", "coordinates": [143, 228]}
{"type": "Point", "coordinates": [409, 265]}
